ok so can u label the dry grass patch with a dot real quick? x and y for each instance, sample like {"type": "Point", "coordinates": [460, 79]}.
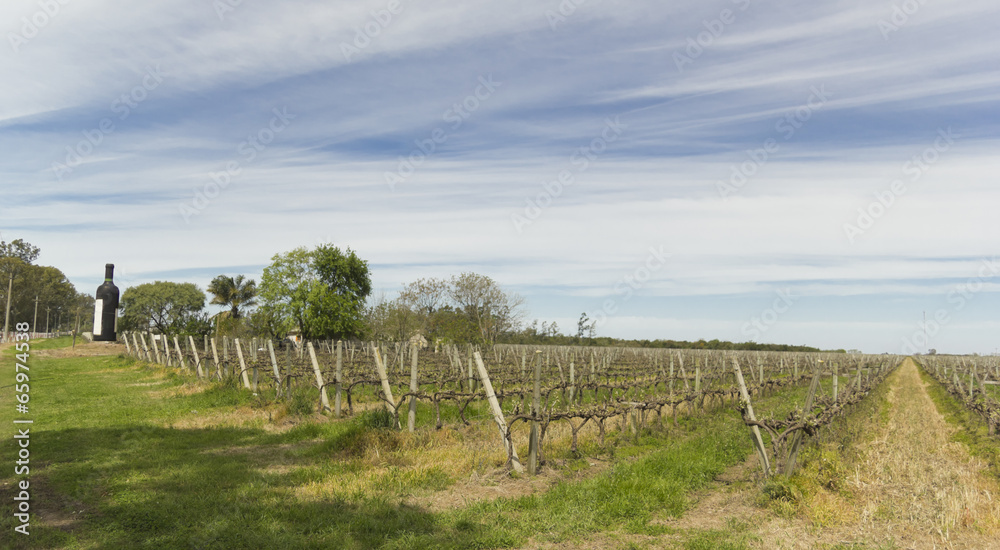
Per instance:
{"type": "Point", "coordinates": [918, 484]}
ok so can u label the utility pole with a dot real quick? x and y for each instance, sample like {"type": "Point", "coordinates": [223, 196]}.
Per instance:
{"type": "Point", "coordinates": [926, 343]}
{"type": "Point", "coordinates": [34, 321]}
{"type": "Point", "coordinates": [6, 319]}
{"type": "Point", "coordinates": [47, 321]}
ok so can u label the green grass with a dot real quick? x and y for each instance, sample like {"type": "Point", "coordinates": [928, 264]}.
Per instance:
{"type": "Point", "coordinates": [110, 463]}
{"type": "Point", "coordinates": [55, 343]}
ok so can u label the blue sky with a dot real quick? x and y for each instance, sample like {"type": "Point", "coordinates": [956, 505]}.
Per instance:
{"type": "Point", "coordinates": [788, 171]}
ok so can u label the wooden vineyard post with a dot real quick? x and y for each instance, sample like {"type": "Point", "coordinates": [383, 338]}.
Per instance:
{"type": "Point", "coordinates": [215, 359]}
{"type": "Point", "coordinates": [197, 360]}
{"type": "Point", "coordinates": [166, 350]}
{"type": "Point", "coordinates": [156, 348]}
{"type": "Point", "coordinates": [128, 346]}
{"type": "Point", "coordinates": [411, 420]}
{"type": "Point", "coordinates": [145, 348]}
{"type": "Point", "coordinates": [288, 372]}
{"type": "Point", "coordinates": [177, 347]}
{"type": "Point", "coordinates": [793, 451]}
{"type": "Point", "coordinates": [498, 414]}
{"type": "Point", "coordinates": [536, 406]}
{"type": "Point", "coordinates": [572, 382]}
{"type": "Point", "coordinates": [319, 378]}
{"type": "Point", "coordinates": [337, 378]}
{"type": "Point", "coordinates": [836, 380]}
{"type": "Point", "coordinates": [274, 365]}
{"type": "Point", "coordinates": [139, 352]}
{"type": "Point", "coordinates": [243, 365]}
{"type": "Point", "coordinates": [471, 379]}
{"type": "Point", "coordinates": [758, 441]}
{"type": "Point", "coordinates": [386, 389]}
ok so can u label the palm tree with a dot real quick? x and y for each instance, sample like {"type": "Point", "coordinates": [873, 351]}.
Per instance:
{"type": "Point", "coordinates": [235, 292]}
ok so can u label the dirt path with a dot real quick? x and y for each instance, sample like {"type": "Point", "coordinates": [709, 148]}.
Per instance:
{"type": "Point", "coordinates": [919, 487]}
{"type": "Point", "coordinates": [915, 490]}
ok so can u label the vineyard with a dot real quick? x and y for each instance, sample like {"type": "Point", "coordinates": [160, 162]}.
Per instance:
{"type": "Point", "coordinates": [526, 389]}
{"type": "Point", "coordinates": [975, 381]}
{"type": "Point", "coordinates": [224, 443]}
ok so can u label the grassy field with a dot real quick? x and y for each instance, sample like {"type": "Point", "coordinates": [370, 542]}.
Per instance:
{"type": "Point", "coordinates": [126, 455]}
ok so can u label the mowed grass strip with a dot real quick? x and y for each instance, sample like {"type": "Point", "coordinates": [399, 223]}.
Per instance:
{"type": "Point", "coordinates": [119, 460]}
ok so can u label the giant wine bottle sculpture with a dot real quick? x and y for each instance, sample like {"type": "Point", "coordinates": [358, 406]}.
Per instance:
{"type": "Point", "coordinates": [106, 308]}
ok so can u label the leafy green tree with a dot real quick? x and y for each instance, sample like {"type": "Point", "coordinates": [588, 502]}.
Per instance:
{"type": "Point", "coordinates": [55, 294]}
{"type": "Point", "coordinates": [20, 249]}
{"type": "Point", "coordinates": [267, 322]}
{"type": "Point", "coordinates": [322, 292]}
{"type": "Point", "coordinates": [166, 307]}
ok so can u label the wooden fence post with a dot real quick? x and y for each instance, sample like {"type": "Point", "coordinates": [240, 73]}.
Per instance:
{"type": "Point", "coordinates": [536, 413]}
{"type": "Point", "coordinates": [758, 441]}
{"type": "Point", "coordinates": [319, 378]}
{"type": "Point", "coordinates": [498, 414]}
{"type": "Point", "coordinates": [197, 360]}
{"type": "Point", "coordinates": [386, 389]}
{"type": "Point", "coordinates": [414, 387]}
{"type": "Point", "coordinates": [793, 452]}
{"type": "Point", "coordinates": [337, 378]}
{"type": "Point", "coordinates": [177, 347]}
{"type": "Point", "coordinates": [243, 365]}
{"type": "Point", "coordinates": [274, 365]}
{"type": "Point", "coordinates": [145, 348]}
{"type": "Point", "coordinates": [215, 359]}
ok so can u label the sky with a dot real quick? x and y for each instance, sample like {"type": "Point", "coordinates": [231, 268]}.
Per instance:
{"type": "Point", "coordinates": [815, 173]}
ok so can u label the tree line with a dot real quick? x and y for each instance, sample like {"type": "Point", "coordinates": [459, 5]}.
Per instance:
{"type": "Point", "coordinates": [317, 293]}
{"type": "Point", "coordinates": [39, 295]}
{"type": "Point", "coordinates": [325, 292]}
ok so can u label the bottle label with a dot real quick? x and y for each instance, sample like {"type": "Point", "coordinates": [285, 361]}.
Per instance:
{"type": "Point", "coordinates": [98, 313]}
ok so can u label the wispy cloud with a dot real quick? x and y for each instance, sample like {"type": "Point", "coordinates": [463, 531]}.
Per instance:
{"type": "Point", "coordinates": [220, 76]}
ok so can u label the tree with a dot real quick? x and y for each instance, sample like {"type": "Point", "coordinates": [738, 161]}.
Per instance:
{"type": "Point", "coordinates": [265, 321]}
{"type": "Point", "coordinates": [48, 284]}
{"type": "Point", "coordinates": [321, 291]}
{"type": "Point", "coordinates": [493, 310]}
{"type": "Point", "coordinates": [20, 249]}
{"type": "Point", "coordinates": [168, 308]}
{"type": "Point", "coordinates": [582, 326]}
{"type": "Point", "coordinates": [424, 297]}
{"type": "Point", "coordinates": [234, 293]}
{"type": "Point", "coordinates": [390, 319]}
